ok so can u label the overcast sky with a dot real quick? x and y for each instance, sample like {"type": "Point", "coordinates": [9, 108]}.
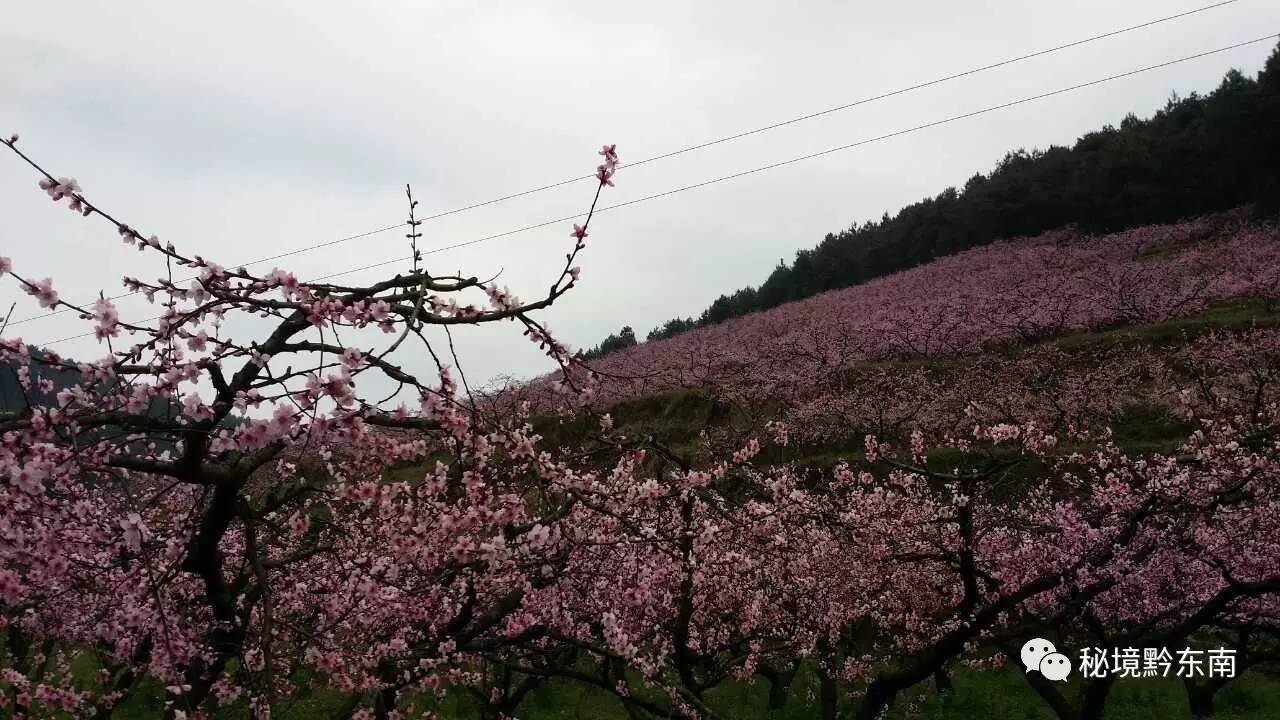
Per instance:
{"type": "Point", "coordinates": [239, 129]}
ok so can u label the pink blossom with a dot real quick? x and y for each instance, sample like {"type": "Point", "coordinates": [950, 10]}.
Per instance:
{"type": "Point", "coordinates": [134, 531]}
{"type": "Point", "coordinates": [29, 477]}
{"type": "Point", "coordinates": [10, 587]}
{"type": "Point", "coordinates": [58, 189]}
{"type": "Point", "coordinates": [43, 291]}
{"type": "Point", "coordinates": [193, 406]}
{"type": "Point", "coordinates": [108, 318]}
{"type": "Point", "coordinates": [538, 536]}
{"type": "Point", "coordinates": [197, 292]}
{"type": "Point", "coordinates": [299, 523]}
{"type": "Point", "coordinates": [414, 538]}
{"type": "Point", "coordinates": [502, 300]}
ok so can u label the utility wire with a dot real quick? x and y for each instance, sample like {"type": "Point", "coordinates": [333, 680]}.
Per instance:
{"type": "Point", "coordinates": [792, 161]}
{"type": "Point", "coordinates": [848, 106]}
{"type": "Point", "coordinates": [820, 153]}
{"type": "Point", "coordinates": [703, 145]}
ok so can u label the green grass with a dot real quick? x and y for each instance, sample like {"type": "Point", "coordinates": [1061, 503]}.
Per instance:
{"type": "Point", "coordinates": [675, 417]}
{"type": "Point", "coordinates": [1231, 316]}
{"type": "Point", "coordinates": [978, 694]}
{"type": "Point", "coordinates": [999, 694]}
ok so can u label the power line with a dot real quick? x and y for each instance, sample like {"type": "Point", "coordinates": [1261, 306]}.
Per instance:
{"type": "Point", "coordinates": [792, 161]}
{"type": "Point", "coordinates": [703, 145]}
{"type": "Point", "coordinates": [848, 106]}
{"type": "Point", "coordinates": [828, 151]}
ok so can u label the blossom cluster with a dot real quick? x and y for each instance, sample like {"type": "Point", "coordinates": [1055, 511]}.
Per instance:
{"type": "Point", "coordinates": [232, 514]}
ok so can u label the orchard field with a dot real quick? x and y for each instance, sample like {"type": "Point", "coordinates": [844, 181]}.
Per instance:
{"type": "Point", "coordinates": [283, 498]}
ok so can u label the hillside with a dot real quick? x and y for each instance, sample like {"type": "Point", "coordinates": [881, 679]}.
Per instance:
{"type": "Point", "coordinates": [1199, 154]}
{"type": "Point", "coordinates": [40, 387]}
{"type": "Point", "coordinates": [1020, 289]}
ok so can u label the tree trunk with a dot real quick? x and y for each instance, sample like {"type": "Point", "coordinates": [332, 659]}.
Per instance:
{"type": "Point", "coordinates": [1095, 698]}
{"type": "Point", "coordinates": [18, 645]}
{"type": "Point", "coordinates": [1045, 688]}
{"type": "Point", "coordinates": [1200, 698]}
{"type": "Point", "coordinates": [1200, 695]}
{"type": "Point", "coordinates": [385, 704]}
{"type": "Point", "coordinates": [877, 701]}
{"type": "Point", "coordinates": [779, 685]}
{"type": "Point", "coordinates": [778, 692]}
{"type": "Point", "coordinates": [942, 681]}
{"type": "Point", "coordinates": [829, 695]}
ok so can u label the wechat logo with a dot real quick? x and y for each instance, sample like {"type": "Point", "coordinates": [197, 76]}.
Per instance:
{"type": "Point", "coordinates": [1041, 656]}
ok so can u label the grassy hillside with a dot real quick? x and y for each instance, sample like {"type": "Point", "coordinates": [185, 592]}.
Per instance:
{"type": "Point", "coordinates": [1018, 291]}
{"type": "Point", "coordinates": [677, 417]}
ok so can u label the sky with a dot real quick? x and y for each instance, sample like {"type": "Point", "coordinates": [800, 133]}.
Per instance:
{"type": "Point", "coordinates": [239, 130]}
